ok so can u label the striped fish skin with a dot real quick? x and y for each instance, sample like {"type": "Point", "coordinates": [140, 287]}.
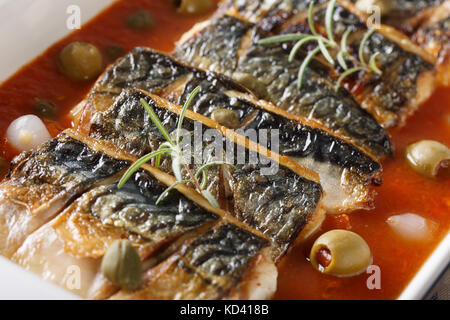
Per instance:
{"type": "Point", "coordinates": [81, 234]}
{"type": "Point", "coordinates": [288, 199]}
{"type": "Point", "coordinates": [208, 267]}
{"type": "Point", "coordinates": [392, 96]}
{"type": "Point", "coordinates": [267, 72]}
{"type": "Point", "coordinates": [41, 183]}
{"type": "Point", "coordinates": [133, 208]}
{"type": "Point", "coordinates": [344, 169]}
{"type": "Point", "coordinates": [404, 15]}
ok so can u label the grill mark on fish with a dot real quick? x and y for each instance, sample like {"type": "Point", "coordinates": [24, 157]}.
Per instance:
{"type": "Point", "coordinates": [43, 182]}
{"type": "Point", "coordinates": [209, 266]}
{"type": "Point", "coordinates": [342, 165]}
{"type": "Point", "coordinates": [267, 72]}
{"type": "Point", "coordinates": [126, 118]}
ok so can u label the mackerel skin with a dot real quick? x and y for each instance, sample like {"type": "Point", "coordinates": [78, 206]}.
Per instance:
{"type": "Point", "coordinates": [43, 182]}
{"type": "Point", "coordinates": [343, 168]}
{"type": "Point", "coordinates": [278, 204]}
{"type": "Point", "coordinates": [210, 266]}
{"type": "Point", "coordinates": [81, 234]}
{"type": "Point", "coordinates": [265, 70]}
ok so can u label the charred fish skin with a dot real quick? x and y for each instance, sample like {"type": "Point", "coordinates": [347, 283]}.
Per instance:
{"type": "Point", "coordinates": [267, 72]}
{"type": "Point", "coordinates": [210, 266]}
{"type": "Point", "coordinates": [296, 199]}
{"type": "Point", "coordinates": [43, 182]}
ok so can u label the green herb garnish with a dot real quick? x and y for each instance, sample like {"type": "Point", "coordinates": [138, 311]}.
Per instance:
{"type": "Point", "coordinates": [172, 148]}
{"type": "Point", "coordinates": [323, 45]}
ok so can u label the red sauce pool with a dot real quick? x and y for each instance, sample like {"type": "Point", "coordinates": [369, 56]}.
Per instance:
{"type": "Point", "coordinates": [403, 190]}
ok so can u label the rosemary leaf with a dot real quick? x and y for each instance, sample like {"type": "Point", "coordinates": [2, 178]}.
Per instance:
{"type": "Point", "coordinates": [210, 198]}
{"type": "Point", "coordinates": [363, 44]}
{"type": "Point", "coordinates": [301, 71]}
{"type": "Point", "coordinates": [311, 18]}
{"type": "Point", "coordinates": [281, 38]}
{"type": "Point", "coordinates": [135, 166]}
{"type": "Point", "coordinates": [344, 40]}
{"type": "Point", "coordinates": [341, 60]}
{"type": "Point", "coordinates": [329, 19]}
{"type": "Point", "coordinates": [202, 170]}
{"type": "Point", "coordinates": [345, 75]}
{"type": "Point", "coordinates": [183, 111]}
{"type": "Point", "coordinates": [299, 44]}
{"type": "Point", "coordinates": [325, 52]}
{"type": "Point", "coordinates": [156, 121]}
{"type": "Point", "coordinates": [166, 192]}
{"type": "Point", "coordinates": [373, 63]}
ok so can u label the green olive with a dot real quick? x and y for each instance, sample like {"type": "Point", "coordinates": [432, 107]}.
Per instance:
{"type": "Point", "coordinates": [193, 6]}
{"type": "Point", "coordinates": [140, 20]}
{"type": "Point", "coordinates": [122, 265]}
{"type": "Point", "coordinates": [427, 157]}
{"type": "Point", "coordinates": [226, 117]}
{"type": "Point", "coordinates": [45, 109]}
{"type": "Point", "coordinates": [114, 52]}
{"type": "Point", "coordinates": [347, 253]}
{"type": "Point", "coordinates": [80, 61]}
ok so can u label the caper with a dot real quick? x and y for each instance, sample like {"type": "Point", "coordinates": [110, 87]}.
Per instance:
{"type": "Point", "coordinates": [427, 157]}
{"type": "Point", "coordinates": [193, 6]}
{"type": "Point", "coordinates": [80, 61]}
{"type": "Point", "coordinates": [114, 52]}
{"type": "Point", "coordinates": [122, 265]}
{"type": "Point", "coordinates": [140, 20]}
{"type": "Point", "coordinates": [45, 109]}
{"type": "Point", "coordinates": [226, 117]}
{"type": "Point", "coordinates": [340, 253]}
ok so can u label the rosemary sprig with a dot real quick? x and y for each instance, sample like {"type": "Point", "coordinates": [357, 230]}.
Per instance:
{"type": "Point", "coordinates": [323, 45]}
{"type": "Point", "coordinates": [172, 148]}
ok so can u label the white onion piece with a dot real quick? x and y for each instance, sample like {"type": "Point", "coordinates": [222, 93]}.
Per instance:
{"type": "Point", "coordinates": [27, 132]}
{"type": "Point", "coordinates": [412, 227]}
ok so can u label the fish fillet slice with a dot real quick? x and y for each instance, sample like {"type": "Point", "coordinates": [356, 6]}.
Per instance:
{"type": "Point", "coordinates": [211, 267]}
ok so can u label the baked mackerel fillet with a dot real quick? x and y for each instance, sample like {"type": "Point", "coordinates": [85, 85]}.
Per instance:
{"type": "Point", "coordinates": [43, 182]}
{"type": "Point", "coordinates": [426, 22]}
{"type": "Point", "coordinates": [76, 239]}
{"type": "Point", "coordinates": [268, 192]}
{"type": "Point", "coordinates": [408, 74]}
{"type": "Point", "coordinates": [211, 266]}
{"type": "Point", "coordinates": [346, 171]}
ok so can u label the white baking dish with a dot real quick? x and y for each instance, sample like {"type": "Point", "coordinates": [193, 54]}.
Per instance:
{"type": "Point", "coordinates": [27, 28]}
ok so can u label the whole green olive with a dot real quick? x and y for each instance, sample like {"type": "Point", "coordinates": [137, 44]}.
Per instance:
{"type": "Point", "coordinates": [226, 117]}
{"type": "Point", "coordinates": [340, 253]}
{"type": "Point", "coordinates": [193, 6]}
{"type": "Point", "coordinates": [140, 20]}
{"type": "Point", "coordinates": [427, 157]}
{"type": "Point", "coordinates": [45, 109]}
{"type": "Point", "coordinates": [122, 265]}
{"type": "Point", "coordinates": [80, 61]}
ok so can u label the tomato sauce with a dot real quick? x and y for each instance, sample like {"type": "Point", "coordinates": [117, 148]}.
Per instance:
{"type": "Point", "coordinates": [403, 190]}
